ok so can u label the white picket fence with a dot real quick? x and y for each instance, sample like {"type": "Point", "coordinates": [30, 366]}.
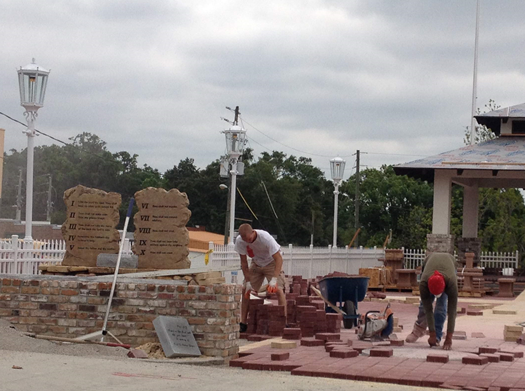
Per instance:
{"type": "Point", "coordinates": [18, 257]}
{"type": "Point", "coordinates": [307, 262]}
{"type": "Point", "coordinates": [503, 260]}
{"type": "Point", "coordinates": [310, 262]}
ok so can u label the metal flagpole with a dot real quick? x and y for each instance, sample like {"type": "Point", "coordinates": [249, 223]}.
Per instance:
{"type": "Point", "coordinates": [475, 79]}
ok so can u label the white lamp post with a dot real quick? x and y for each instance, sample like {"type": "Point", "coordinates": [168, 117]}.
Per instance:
{"type": "Point", "coordinates": [235, 140]}
{"type": "Point", "coordinates": [32, 81]}
{"type": "Point", "coordinates": [337, 168]}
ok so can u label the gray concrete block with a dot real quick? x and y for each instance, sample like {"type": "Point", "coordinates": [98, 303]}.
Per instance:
{"type": "Point", "coordinates": [110, 260]}
{"type": "Point", "coordinates": [176, 337]}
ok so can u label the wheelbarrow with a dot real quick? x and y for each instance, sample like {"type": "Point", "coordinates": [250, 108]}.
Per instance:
{"type": "Point", "coordinates": [347, 291]}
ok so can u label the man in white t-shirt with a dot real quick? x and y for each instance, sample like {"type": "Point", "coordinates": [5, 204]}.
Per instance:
{"type": "Point", "coordinates": [267, 262]}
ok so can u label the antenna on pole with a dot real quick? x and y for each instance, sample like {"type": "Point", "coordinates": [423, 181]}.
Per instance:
{"type": "Point", "coordinates": [236, 120]}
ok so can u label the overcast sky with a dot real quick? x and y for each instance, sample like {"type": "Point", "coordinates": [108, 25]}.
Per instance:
{"type": "Point", "coordinates": [324, 78]}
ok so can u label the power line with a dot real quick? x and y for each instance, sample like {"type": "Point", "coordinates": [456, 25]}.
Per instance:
{"type": "Point", "coordinates": [287, 146]}
{"type": "Point", "coordinates": [36, 130]}
{"type": "Point", "coordinates": [314, 154]}
{"type": "Point", "coordinates": [53, 138]}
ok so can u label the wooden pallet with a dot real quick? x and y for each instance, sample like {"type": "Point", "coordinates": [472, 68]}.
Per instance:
{"type": "Point", "coordinates": [379, 288]}
{"type": "Point", "coordinates": [471, 294]}
{"type": "Point", "coordinates": [395, 288]}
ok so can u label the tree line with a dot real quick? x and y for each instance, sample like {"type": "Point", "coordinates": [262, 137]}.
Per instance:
{"type": "Point", "coordinates": [285, 195]}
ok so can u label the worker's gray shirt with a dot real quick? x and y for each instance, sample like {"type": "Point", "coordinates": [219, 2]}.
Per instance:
{"type": "Point", "coordinates": [446, 265]}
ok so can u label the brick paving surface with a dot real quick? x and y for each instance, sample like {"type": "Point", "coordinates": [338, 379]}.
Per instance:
{"type": "Point", "coordinates": [483, 361]}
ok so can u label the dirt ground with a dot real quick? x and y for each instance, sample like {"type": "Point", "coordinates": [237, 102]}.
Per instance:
{"type": "Point", "coordinates": [12, 339]}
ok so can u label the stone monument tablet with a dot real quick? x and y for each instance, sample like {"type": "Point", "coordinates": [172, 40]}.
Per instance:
{"type": "Point", "coordinates": [89, 229]}
{"type": "Point", "coordinates": [176, 337]}
{"type": "Point", "coordinates": [161, 237]}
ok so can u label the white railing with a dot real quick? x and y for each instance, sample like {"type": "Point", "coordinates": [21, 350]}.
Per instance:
{"type": "Point", "coordinates": [307, 262]}
{"type": "Point", "coordinates": [15, 259]}
{"type": "Point", "coordinates": [500, 260]}
{"type": "Point", "coordinates": [414, 258]}
{"type": "Point", "coordinates": [310, 262]}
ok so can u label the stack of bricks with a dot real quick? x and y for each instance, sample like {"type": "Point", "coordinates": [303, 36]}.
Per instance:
{"type": "Point", "coordinates": [295, 287]}
{"type": "Point", "coordinates": [298, 286]}
{"type": "Point", "coordinates": [290, 311]}
{"type": "Point", "coordinates": [469, 245]}
{"type": "Point", "coordinates": [306, 315]}
{"type": "Point", "coordinates": [263, 321]}
{"type": "Point", "coordinates": [253, 315]}
{"type": "Point", "coordinates": [307, 319]}
{"type": "Point", "coordinates": [302, 300]}
{"type": "Point", "coordinates": [511, 333]}
{"type": "Point", "coordinates": [277, 320]}
{"type": "Point", "coordinates": [470, 278]}
{"type": "Point", "coordinates": [72, 306]}
{"type": "Point", "coordinates": [321, 324]}
{"type": "Point", "coordinates": [333, 322]}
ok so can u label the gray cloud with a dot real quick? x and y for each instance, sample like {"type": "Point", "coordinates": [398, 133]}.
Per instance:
{"type": "Point", "coordinates": [324, 77]}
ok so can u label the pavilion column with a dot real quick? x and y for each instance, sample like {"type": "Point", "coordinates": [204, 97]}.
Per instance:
{"type": "Point", "coordinates": [469, 242]}
{"type": "Point", "coordinates": [442, 202]}
{"type": "Point", "coordinates": [440, 240]}
{"type": "Point", "coordinates": [470, 211]}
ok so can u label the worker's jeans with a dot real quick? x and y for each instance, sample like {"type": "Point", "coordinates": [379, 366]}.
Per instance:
{"type": "Point", "coordinates": [440, 314]}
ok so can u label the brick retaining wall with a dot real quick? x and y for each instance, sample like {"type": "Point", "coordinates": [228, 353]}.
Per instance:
{"type": "Point", "coordinates": [75, 306]}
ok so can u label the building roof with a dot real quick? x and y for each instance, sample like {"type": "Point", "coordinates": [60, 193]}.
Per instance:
{"type": "Point", "coordinates": [504, 153]}
{"type": "Point", "coordinates": [492, 119]}
{"type": "Point", "coordinates": [199, 240]}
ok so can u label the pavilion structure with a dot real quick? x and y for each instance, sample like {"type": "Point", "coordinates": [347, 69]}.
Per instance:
{"type": "Point", "coordinates": [497, 163]}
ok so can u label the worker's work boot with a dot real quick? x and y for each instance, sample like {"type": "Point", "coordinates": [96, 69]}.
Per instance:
{"type": "Point", "coordinates": [417, 332]}
{"type": "Point", "coordinates": [243, 327]}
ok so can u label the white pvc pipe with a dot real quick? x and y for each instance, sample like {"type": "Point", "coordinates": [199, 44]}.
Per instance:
{"type": "Point", "coordinates": [233, 189]}
{"type": "Point", "coordinates": [29, 179]}
{"type": "Point", "coordinates": [336, 202]}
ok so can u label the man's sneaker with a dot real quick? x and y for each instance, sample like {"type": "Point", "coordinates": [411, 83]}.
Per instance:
{"type": "Point", "coordinates": [417, 332]}
{"type": "Point", "coordinates": [243, 327]}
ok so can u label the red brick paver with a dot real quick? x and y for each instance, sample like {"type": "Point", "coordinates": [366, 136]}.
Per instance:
{"type": "Point", "coordinates": [402, 367]}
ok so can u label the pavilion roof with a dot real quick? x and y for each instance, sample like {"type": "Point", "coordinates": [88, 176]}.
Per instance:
{"type": "Point", "coordinates": [492, 119]}
{"type": "Point", "coordinates": [504, 153]}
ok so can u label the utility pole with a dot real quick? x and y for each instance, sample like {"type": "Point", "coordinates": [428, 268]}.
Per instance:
{"type": "Point", "coordinates": [18, 216]}
{"type": "Point", "coordinates": [357, 180]}
{"type": "Point", "coordinates": [48, 209]}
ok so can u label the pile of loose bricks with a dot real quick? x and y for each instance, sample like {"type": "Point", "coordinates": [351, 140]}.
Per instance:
{"type": "Point", "coordinates": [306, 315]}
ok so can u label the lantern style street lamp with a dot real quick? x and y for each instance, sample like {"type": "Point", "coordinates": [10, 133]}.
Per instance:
{"type": "Point", "coordinates": [235, 141]}
{"type": "Point", "coordinates": [32, 80]}
{"type": "Point", "coordinates": [337, 168]}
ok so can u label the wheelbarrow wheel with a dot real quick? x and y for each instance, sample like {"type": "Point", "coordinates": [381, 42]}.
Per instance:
{"type": "Point", "coordinates": [349, 308]}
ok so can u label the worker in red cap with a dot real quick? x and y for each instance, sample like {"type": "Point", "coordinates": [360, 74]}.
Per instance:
{"type": "Point", "coordinates": [439, 278]}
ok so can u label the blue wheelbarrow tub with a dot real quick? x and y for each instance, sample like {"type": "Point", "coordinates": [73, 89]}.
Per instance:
{"type": "Point", "coordinates": [341, 289]}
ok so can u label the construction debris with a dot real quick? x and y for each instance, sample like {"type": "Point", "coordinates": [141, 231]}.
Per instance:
{"type": "Point", "coordinates": [193, 277]}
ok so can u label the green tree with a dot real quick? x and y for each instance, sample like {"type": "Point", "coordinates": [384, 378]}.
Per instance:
{"type": "Point", "coordinates": [390, 202]}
